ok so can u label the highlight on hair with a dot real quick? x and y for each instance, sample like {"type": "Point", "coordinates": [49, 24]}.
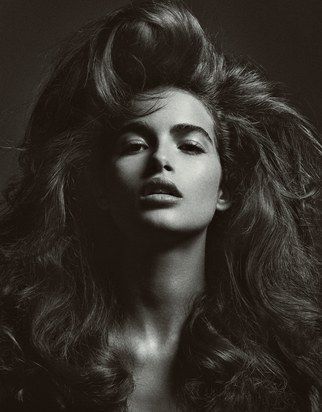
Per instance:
{"type": "Point", "coordinates": [251, 342]}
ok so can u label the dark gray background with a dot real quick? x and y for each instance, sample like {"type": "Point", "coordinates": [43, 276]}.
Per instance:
{"type": "Point", "coordinates": [283, 36]}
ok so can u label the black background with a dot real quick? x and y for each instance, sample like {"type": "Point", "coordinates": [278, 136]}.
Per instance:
{"type": "Point", "coordinates": [283, 36]}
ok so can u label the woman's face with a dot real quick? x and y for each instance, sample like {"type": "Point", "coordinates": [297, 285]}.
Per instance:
{"type": "Point", "coordinates": [164, 173]}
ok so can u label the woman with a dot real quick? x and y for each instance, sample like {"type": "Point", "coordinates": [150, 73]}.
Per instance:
{"type": "Point", "coordinates": [157, 253]}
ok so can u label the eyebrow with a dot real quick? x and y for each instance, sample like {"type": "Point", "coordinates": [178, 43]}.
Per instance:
{"type": "Point", "coordinates": [179, 129]}
{"type": "Point", "coordinates": [185, 128]}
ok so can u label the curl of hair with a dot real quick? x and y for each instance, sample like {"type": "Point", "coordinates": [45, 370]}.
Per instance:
{"type": "Point", "coordinates": [251, 342]}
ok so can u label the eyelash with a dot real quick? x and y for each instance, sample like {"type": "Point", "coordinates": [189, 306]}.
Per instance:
{"type": "Point", "coordinates": [130, 147]}
{"type": "Point", "coordinates": [193, 147]}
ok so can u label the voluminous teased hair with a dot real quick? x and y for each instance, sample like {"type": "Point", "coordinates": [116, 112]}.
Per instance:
{"type": "Point", "coordinates": [251, 341]}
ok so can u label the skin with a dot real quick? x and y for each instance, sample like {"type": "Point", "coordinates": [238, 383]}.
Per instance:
{"type": "Point", "coordinates": [189, 159]}
{"type": "Point", "coordinates": [163, 246]}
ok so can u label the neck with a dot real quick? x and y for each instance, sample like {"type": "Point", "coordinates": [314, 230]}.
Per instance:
{"type": "Point", "coordinates": [158, 284]}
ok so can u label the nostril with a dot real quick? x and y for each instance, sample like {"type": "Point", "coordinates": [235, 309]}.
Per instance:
{"type": "Point", "coordinates": [161, 162]}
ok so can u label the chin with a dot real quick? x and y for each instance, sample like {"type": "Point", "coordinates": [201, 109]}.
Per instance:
{"type": "Point", "coordinates": [169, 226]}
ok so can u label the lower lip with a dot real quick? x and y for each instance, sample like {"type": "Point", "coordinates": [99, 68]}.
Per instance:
{"type": "Point", "coordinates": [159, 199]}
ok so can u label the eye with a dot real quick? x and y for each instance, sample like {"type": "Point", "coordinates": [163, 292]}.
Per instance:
{"type": "Point", "coordinates": [192, 147]}
{"type": "Point", "coordinates": [133, 147]}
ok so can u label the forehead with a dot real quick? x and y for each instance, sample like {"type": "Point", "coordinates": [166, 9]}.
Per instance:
{"type": "Point", "coordinates": [170, 106]}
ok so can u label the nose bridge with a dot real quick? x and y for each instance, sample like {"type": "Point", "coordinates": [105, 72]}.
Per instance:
{"type": "Point", "coordinates": [162, 144]}
{"type": "Point", "coordinates": [162, 153]}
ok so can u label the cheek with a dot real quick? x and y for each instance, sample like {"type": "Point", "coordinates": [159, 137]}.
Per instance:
{"type": "Point", "coordinates": [120, 177]}
{"type": "Point", "coordinates": [206, 181]}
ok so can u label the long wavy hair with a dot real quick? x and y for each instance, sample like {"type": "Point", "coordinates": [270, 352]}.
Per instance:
{"type": "Point", "coordinates": [251, 340]}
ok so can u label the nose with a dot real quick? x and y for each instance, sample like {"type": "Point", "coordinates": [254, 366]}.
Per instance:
{"type": "Point", "coordinates": [160, 160]}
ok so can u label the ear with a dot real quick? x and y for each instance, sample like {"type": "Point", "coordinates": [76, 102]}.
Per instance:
{"type": "Point", "coordinates": [98, 190]}
{"type": "Point", "coordinates": [223, 200]}
{"type": "Point", "coordinates": [102, 202]}
{"type": "Point", "coordinates": [101, 196]}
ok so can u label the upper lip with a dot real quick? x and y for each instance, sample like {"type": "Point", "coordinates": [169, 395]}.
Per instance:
{"type": "Point", "coordinates": [159, 185]}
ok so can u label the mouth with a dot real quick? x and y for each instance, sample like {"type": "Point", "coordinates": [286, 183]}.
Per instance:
{"type": "Point", "coordinates": [160, 188]}
{"type": "Point", "coordinates": [160, 193]}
